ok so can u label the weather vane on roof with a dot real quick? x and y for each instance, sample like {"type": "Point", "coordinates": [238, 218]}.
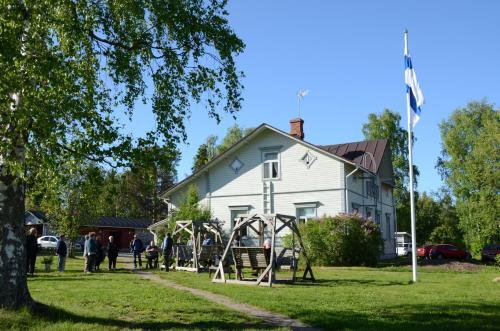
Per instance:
{"type": "Point", "coordinates": [300, 95]}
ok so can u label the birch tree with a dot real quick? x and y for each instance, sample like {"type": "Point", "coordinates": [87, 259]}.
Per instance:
{"type": "Point", "coordinates": [68, 68]}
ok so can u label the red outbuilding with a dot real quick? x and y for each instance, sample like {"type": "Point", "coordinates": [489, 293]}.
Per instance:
{"type": "Point", "coordinates": [121, 228]}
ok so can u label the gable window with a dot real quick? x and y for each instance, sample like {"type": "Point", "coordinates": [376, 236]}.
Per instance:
{"type": "Point", "coordinates": [236, 165]}
{"type": "Point", "coordinates": [372, 189]}
{"type": "Point", "coordinates": [305, 211]}
{"type": "Point", "coordinates": [308, 159]}
{"type": "Point", "coordinates": [271, 165]}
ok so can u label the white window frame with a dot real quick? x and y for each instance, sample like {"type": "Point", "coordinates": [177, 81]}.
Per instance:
{"type": "Point", "coordinates": [301, 205]}
{"type": "Point", "coordinates": [271, 150]}
{"type": "Point", "coordinates": [232, 209]}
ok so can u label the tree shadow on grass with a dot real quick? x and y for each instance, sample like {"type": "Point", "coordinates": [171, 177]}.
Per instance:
{"type": "Point", "coordinates": [53, 314]}
{"type": "Point", "coordinates": [407, 317]}
{"type": "Point", "coordinates": [348, 282]}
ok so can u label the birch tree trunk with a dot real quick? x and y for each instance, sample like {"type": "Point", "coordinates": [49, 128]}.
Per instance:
{"type": "Point", "coordinates": [13, 282]}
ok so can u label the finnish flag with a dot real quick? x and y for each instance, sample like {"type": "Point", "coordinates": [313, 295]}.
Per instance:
{"type": "Point", "coordinates": [416, 96]}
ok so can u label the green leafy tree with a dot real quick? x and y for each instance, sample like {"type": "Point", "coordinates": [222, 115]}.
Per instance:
{"type": "Point", "coordinates": [448, 230]}
{"type": "Point", "coordinates": [234, 134]}
{"type": "Point", "coordinates": [68, 199]}
{"type": "Point", "coordinates": [201, 158]}
{"type": "Point", "coordinates": [210, 149]}
{"type": "Point", "coordinates": [67, 68]}
{"type": "Point", "coordinates": [470, 165]}
{"type": "Point", "coordinates": [387, 126]}
{"type": "Point", "coordinates": [189, 209]}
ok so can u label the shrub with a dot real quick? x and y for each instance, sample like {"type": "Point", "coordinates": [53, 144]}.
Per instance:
{"type": "Point", "coordinates": [497, 260]}
{"type": "Point", "coordinates": [344, 240]}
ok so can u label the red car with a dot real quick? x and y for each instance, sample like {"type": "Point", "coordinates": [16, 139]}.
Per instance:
{"type": "Point", "coordinates": [446, 251]}
{"type": "Point", "coordinates": [490, 252]}
{"type": "Point", "coordinates": [423, 251]}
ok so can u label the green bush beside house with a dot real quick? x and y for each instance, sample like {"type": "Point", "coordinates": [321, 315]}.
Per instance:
{"type": "Point", "coordinates": [343, 240]}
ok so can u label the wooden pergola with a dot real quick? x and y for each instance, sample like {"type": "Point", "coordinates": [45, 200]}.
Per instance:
{"type": "Point", "coordinates": [194, 257]}
{"type": "Point", "coordinates": [256, 258]}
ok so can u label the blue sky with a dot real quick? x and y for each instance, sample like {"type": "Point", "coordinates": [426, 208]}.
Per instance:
{"type": "Point", "coordinates": [349, 54]}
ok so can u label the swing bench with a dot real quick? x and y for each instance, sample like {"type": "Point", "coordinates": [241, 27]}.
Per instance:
{"type": "Point", "coordinates": [255, 258]}
{"type": "Point", "coordinates": [249, 257]}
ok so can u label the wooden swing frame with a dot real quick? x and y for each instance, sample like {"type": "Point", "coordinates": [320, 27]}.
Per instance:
{"type": "Point", "coordinates": [196, 230]}
{"type": "Point", "coordinates": [253, 256]}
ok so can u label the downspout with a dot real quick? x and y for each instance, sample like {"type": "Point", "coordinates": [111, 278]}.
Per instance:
{"type": "Point", "coordinates": [346, 190]}
{"type": "Point", "coordinates": [209, 191]}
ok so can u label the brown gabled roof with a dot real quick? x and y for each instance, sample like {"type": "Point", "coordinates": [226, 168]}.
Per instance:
{"type": "Point", "coordinates": [120, 222]}
{"type": "Point", "coordinates": [367, 154]}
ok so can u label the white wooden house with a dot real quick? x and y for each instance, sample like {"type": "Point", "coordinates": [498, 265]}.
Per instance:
{"type": "Point", "coordinates": [271, 171]}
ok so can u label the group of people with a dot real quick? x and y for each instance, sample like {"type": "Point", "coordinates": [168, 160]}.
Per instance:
{"type": "Point", "coordinates": [94, 253]}
{"type": "Point", "coordinates": [32, 251]}
{"type": "Point", "coordinates": [152, 252]}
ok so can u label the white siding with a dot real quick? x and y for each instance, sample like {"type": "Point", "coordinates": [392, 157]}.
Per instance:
{"type": "Point", "coordinates": [321, 183]}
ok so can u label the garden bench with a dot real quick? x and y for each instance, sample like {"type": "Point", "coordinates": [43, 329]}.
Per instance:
{"type": "Point", "coordinates": [208, 254]}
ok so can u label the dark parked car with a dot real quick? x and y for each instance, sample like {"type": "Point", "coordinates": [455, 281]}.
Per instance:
{"type": "Point", "coordinates": [490, 252]}
{"type": "Point", "coordinates": [446, 251]}
{"type": "Point", "coordinates": [423, 251]}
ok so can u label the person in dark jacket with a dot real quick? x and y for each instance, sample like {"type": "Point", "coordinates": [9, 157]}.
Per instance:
{"type": "Point", "coordinates": [152, 252]}
{"type": "Point", "coordinates": [112, 253]}
{"type": "Point", "coordinates": [62, 252]}
{"type": "Point", "coordinates": [137, 247]}
{"type": "Point", "coordinates": [99, 253]}
{"type": "Point", "coordinates": [91, 249]}
{"type": "Point", "coordinates": [166, 247]}
{"type": "Point", "coordinates": [31, 251]}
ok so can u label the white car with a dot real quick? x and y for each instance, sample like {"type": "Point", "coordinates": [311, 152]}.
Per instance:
{"type": "Point", "coordinates": [47, 241]}
{"type": "Point", "coordinates": [404, 249]}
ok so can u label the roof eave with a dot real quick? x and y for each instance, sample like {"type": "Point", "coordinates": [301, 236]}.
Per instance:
{"type": "Point", "coordinates": [240, 143]}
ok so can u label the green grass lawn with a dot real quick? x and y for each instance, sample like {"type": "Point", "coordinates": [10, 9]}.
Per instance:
{"type": "Point", "coordinates": [341, 299]}
{"type": "Point", "coordinates": [376, 298]}
{"type": "Point", "coordinates": [116, 301]}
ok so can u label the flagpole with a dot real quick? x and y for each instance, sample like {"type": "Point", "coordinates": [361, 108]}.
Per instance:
{"type": "Point", "coordinates": [410, 161]}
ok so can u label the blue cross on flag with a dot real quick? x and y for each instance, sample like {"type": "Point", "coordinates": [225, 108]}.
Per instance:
{"type": "Point", "coordinates": [412, 87]}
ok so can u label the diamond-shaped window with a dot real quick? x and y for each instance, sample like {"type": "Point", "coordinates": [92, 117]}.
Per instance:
{"type": "Point", "coordinates": [236, 165]}
{"type": "Point", "coordinates": [308, 159]}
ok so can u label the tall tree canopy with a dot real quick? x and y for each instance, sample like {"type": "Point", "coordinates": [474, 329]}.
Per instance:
{"type": "Point", "coordinates": [210, 149]}
{"type": "Point", "coordinates": [387, 126]}
{"type": "Point", "coordinates": [67, 67]}
{"type": "Point", "coordinates": [470, 164]}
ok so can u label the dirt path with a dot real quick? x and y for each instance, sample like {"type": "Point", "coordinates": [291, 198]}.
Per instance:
{"type": "Point", "coordinates": [273, 319]}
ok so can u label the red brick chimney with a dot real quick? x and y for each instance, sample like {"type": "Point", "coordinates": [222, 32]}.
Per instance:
{"type": "Point", "coordinates": [297, 128]}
